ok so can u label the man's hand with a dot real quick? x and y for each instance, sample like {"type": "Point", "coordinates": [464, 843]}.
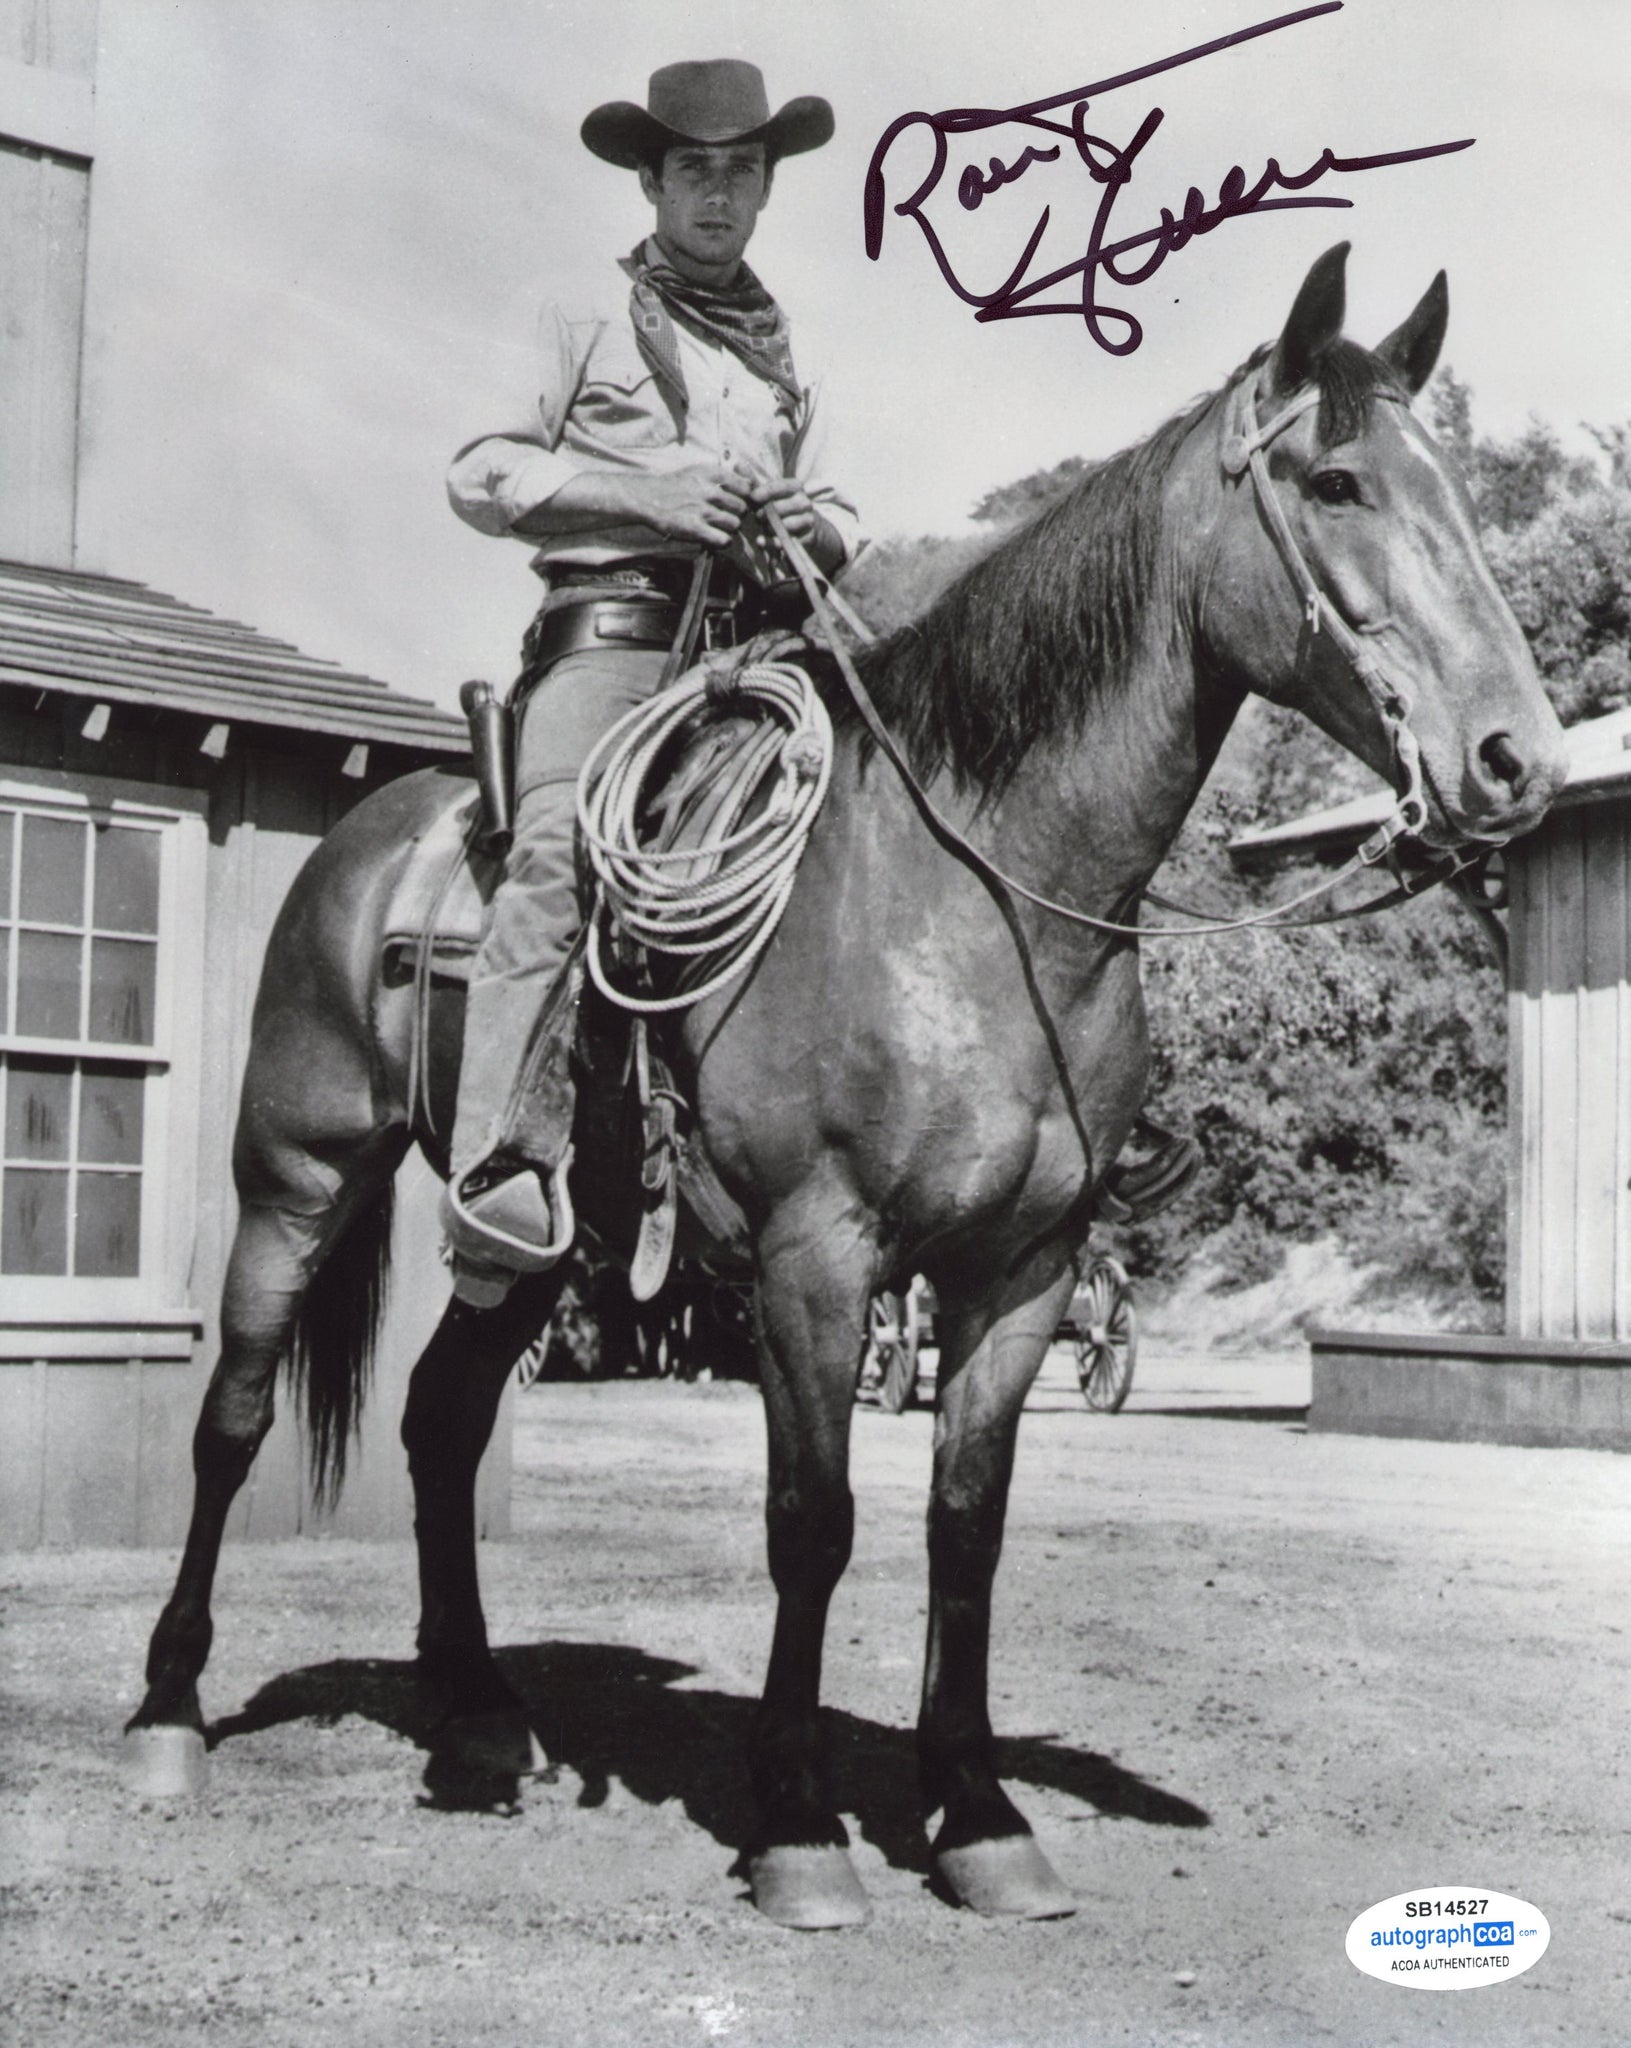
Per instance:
{"type": "Point", "coordinates": [705, 503]}
{"type": "Point", "coordinates": [801, 519]}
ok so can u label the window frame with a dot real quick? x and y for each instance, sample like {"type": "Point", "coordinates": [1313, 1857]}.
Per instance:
{"type": "Point", "coordinates": [169, 1061]}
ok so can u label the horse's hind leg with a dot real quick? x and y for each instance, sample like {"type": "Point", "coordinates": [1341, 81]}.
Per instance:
{"type": "Point", "coordinates": [294, 1212]}
{"type": "Point", "coordinates": [453, 1398]}
{"type": "Point", "coordinates": [984, 1853]}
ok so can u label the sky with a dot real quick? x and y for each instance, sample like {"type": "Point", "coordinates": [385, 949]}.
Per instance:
{"type": "Point", "coordinates": [321, 234]}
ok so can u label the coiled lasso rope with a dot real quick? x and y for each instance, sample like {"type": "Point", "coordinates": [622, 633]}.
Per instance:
{"type": "Point", "coordinates": [723, 897]}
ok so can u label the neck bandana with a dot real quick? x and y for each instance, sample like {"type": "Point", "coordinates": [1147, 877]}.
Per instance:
{"type": "Point", "coordinates": [742, 317]}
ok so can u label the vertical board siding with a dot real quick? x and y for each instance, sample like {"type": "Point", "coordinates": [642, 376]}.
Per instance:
{"type": "Point", "coordinates": [1560, 1076]}
{"type": "Point", "coordinates": [1622, 1093]}
{"type": "Point", "coordinates": [170, 1395]}
{"type": "Point", "coordinates": [44, 208]}
{"type": "Point", "coordinates": [1569, 1009]}
{"type": "Point", "coordinates": [1600, 1171]}
{"type": "Point", "coordinates": [22, 1453]}
{"type": "Point", "coordinates": [59, 34]}
{"type": "Point", "coordinates": [1527, 898]}
{"type": "Point", "coordinates": [90, 1479]}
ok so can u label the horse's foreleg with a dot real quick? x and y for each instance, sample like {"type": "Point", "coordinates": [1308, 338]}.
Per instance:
{"type": "Point", "coordinates": [453, 1398]}
{"type": "Point", "coordinates": [984, 1853]}
{"type": "Point", "coordinates": [812, 1302]}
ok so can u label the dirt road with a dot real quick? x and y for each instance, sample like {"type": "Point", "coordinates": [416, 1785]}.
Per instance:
{"type": "Point", "coordinates": [1249, 1682]}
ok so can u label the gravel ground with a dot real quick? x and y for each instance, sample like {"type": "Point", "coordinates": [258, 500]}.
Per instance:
{"type": "Point", "coordinates": [1248, 1682]}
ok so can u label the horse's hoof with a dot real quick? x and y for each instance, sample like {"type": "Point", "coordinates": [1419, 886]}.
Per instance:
{"type": "Point", "coordinates": [165, 1761]}
{"type": "Point", "coordinates": [499, 1743]}
{"type": "Point", "coordinates": [1009, 1875]}
{"type": "Point", "coordinates": [808, 1888]}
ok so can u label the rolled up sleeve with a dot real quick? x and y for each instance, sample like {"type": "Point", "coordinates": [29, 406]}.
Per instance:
{"type": "Point", "coordinates": [496, 481]}
{"type": "Point", "coordinates": [809, 462]}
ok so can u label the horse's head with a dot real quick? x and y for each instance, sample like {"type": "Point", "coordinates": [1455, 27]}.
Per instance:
{"type": "Point", "coordinates": [1347, 579]}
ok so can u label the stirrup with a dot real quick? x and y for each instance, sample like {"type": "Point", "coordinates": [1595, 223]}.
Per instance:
{"type": "Point", "coordinates": [1141, 1187]}
{"type": "Point", "coordinates": [509, 1223]}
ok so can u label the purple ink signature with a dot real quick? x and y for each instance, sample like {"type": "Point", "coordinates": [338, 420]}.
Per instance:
{"type": "Point", "coordinates": [1131, 259]}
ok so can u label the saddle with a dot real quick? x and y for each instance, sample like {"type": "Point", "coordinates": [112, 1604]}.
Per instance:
{"type": "Point", "coordinates": [439, 906]}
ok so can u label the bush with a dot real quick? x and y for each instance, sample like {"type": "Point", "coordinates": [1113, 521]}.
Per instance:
{"type": "Point", "coordinates": [1567, 575]}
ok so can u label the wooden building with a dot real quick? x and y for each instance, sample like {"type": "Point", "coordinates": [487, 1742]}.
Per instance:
{"type": "Point", "coordinates": [163, 774]}
{"type": "Point", "coordinates": [1559, 1374]}
{"type": "Point", "coordinates": [1569, 1054]}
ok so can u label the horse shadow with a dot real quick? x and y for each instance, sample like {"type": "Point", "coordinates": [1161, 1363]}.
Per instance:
{"type": "Point", "coordinates": [610, 1710]}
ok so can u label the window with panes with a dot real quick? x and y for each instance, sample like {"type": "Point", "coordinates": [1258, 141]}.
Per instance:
{"type": "Point", "coordinates": [80, 1025]}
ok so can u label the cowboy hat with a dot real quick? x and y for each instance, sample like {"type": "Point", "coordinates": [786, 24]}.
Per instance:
{"type": "Point", "coordinates": [722, 100]}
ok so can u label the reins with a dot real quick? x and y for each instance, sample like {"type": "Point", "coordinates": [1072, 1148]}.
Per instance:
{"type": "Point", "coordinates": [714, 905]}
{"type": "Point", "coordinates": [1242, 452]}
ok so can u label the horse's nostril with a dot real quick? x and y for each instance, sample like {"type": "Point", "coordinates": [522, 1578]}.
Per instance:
{"type": "Point", "coordinates": [1503, 761]}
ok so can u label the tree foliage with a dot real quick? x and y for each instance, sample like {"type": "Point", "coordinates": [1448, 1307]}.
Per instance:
{"type": "Point", "coordinates": [1567, 576]}
{"type": "Point", "coordinates": [1511, 481]}
{"type": "Point", "coordinates": [896, 580]}
{"type": "Point", "coordinates": [1011, 503]}
{"type": "Point", "coordinates": [1344, 1081]}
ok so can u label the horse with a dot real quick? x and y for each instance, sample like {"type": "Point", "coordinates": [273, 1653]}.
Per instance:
{"type": "Point", "coordinates": [926, 1071]}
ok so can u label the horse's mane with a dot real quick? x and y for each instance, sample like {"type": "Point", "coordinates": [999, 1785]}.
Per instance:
{"type": "Point", "coordinates": [1013, 652]}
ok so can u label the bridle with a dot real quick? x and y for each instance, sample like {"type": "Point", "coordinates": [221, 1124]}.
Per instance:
{"type": "Point", "coordinates": [1242, 454]}
{"type": "Point", "coordinates": [1243, 450]}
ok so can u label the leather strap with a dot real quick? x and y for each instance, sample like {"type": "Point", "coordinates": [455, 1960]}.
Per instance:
{"type": "Point", "coordinates": [647, 619]}
{"type": "Point", "coordinates": [596, 624]}
{"type": "Point", "coordinates": [1374, 849]}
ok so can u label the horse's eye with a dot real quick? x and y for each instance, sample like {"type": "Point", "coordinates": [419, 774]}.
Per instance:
{"type": "Point", "coordinates": [1336, 487]}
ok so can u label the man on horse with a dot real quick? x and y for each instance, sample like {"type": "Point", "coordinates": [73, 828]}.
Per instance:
{"type": "Point", "coordinates": [668, 414]}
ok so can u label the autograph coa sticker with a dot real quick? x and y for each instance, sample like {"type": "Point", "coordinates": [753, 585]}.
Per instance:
{"type": "Point", "coordinates": [1448, 1937]}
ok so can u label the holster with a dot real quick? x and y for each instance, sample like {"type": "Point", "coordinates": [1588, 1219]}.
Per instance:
{"type": "Point", "coordinates": [492, 747]}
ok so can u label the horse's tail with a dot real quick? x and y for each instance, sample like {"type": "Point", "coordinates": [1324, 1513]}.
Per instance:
{"type": "Point", "coordinates": [331, 1354]}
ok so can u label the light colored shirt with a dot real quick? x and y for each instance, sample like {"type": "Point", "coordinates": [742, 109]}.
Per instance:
{"type": "Point", "coordinates": [599, 406]}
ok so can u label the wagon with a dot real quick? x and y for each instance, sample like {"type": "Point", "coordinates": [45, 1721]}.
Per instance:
{"type": "Point", "coordinates": [899, 1326]}
{"type": "Point", "coordinates": [1102, 1327]}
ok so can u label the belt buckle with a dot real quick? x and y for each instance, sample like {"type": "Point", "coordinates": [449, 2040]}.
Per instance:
{"type": "Point", "coordinates": [629, 622]}
{"type": "Point", "coordinates": [718, 628]}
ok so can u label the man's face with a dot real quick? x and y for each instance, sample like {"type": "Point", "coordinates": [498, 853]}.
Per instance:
{"type": "Point", "coordinates": [708, 201]}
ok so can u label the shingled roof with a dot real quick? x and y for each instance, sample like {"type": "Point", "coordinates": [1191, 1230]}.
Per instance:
{"type": "Point", "coordinates": [120, 642]}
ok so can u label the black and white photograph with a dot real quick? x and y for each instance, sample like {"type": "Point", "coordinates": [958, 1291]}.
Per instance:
{"type": "Point", "coordinates": [815, 1024]}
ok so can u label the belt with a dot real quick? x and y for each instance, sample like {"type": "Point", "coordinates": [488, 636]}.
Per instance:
{"type": "Point", "coordinates": [648, 616]}
{"type": "Point", "coordinates": [670, 576]}
{"type": "Point", "coordinates": [595, 625]}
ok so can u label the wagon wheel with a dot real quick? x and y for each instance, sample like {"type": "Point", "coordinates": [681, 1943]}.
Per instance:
{"type": "Point", "coordinates": [892, 1347]}
{"type": "Point", "coordinates": [1106, 1336]}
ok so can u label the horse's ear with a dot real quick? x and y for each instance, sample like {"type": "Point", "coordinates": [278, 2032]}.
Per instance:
{"type": "Point", "coordinates": [1316, 321]}
{"type": "Point", "coordinates": [1411, 350]}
